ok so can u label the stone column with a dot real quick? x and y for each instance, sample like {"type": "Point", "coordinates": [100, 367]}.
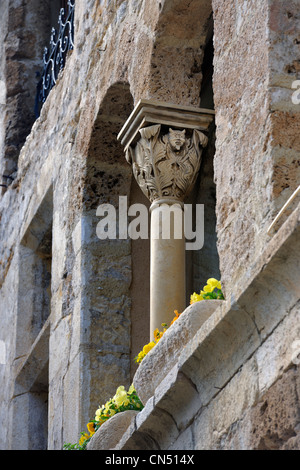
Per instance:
{"type": "Point", "coordinates": [165, 159]}
{"type": "Point", "coordinates": [167, 263]}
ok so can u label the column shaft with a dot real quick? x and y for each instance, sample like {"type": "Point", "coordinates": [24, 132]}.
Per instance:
{"type": "Point", "coordinates": [167, 266]}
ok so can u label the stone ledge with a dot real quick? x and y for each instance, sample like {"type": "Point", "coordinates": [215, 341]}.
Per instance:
{"type": "Point", "coordinates": [160, 360]}
{"type": "Point", "coordinates": [229, 336]}
{"type": "Point", "coordinates": [110, 433]}
{"type": "Point", "coordinates": [227, 339]}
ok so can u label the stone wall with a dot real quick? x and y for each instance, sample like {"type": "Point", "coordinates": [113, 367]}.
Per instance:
{"type": "Point", "coordinates": [114, 45]}
{"type": "Point", "coordinates": [256, 56]}
{"type": "Point", "coordinates": [233, 382]}
{"type": "Point", "coordinates": [26, 32]}
{"type": "Point", "coordinates": [124, 51]}
{"type": "Point", "coordinates": [4, 17]}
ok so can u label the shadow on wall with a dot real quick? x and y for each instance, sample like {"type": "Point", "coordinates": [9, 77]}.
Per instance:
{"type": "Point", "coordinates": [204, 264]}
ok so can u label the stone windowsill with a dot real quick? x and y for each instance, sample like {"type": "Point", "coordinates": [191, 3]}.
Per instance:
{"type": "Point", "coordinates": [193, 374]}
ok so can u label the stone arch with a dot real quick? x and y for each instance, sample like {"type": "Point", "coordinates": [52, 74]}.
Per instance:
{"type": "Point", "coordinates": [108, 176]}
{"type": "Point", "coordinates": [106, 264]}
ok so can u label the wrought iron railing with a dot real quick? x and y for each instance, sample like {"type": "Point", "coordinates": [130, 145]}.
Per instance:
{"type": "Point", "coordinates": [54, 57]}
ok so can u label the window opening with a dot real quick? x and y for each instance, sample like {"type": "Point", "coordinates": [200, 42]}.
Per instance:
{"type": "Point", "coordinates": [54, 57]}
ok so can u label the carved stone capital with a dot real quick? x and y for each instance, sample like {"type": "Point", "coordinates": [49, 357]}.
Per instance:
{"type": "Point", "coordinates": [166, 155]}
{"type": "Point", "coordinates": [166, 164]}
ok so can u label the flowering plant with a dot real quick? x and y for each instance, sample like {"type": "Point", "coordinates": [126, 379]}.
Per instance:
{"type": "Point", "coordinates": [157, 336]}
{"type": "Point", "coordinates": [121, 401]}
{"type": "Point", "coordinates": [212, 290]}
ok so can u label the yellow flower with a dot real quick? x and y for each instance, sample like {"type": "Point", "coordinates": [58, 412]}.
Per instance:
{"type": "Point", "coordinates": [207, 288]}
{"type": "Point", "coordinates": [213, 284]}
{"type": "Point", "coordinates": [91, 428]}
{"type": "Point", "coordinates": [145, 350]}
{"type": "Point", "coordinates": [148, 347]}
{"type": "Point", "coordinates": [131, 389]}
{"type": "Point", "coordinates": [140, 356]}
{"type": "Point", "coordinates": [195, 298]}
{"type": "Point", "coordinates": [108, 411]}
{"type": "Point", "coordinates": [158, 334]}
{"type": "Point", "coordinates": [120, 397]}
{"type": "Point", "coordinates": [83, 438]}
{"type": "Point", "coordinates": [177, 315]}
{"type": "Point", "coordinates": [98, 414]}
{"type": "Point", "coordinates": [120, 389]}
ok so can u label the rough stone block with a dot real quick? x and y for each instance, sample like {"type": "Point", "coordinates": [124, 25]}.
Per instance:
{"type": "Point", "coordinates": [218, 350]}
{"type": "Point", "coordinates": [276, 418]}
{"type": "Point", "coordinates": [110, 433]}
{"type": "Point", "coordinates": [185, 441]}
{"type": "Point", "coordinates": [175, 389]}
{"type": "Point", "coordinates": [160, 360]}
{"type": "Point", "coordinates": [276, 353]}
{"type": "Point", "coordinates": [227, 407]}
{"type": "Point", "coordinates": [158, 424]}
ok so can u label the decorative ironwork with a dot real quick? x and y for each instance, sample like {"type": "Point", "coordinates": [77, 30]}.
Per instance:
{"type": "Point", "coordinates": [54, 57]}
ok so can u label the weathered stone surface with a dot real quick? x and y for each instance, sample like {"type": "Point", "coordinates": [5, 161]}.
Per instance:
{"type": "Point", "coordinates": [276, 418]}
{"type": "Point", "coordinates": [242, 388]}
{"type": "Point", "coordinates": [27, 28]}
{"type": "Point", "coordinates": [125, 51]}
{"type": "Point", "coordinates": [157, 424]}
{"type": "Point", "coordinates": [248, 125]}
{"type": "Point", "coordinates": [171, 35]}
{"type": "Point", "coordinates": [272, 423]}
{"type": "Point", "coordinates": [276, 353]}
{"type": "Point", "coordinates": [177, 388]}
{"type": "Point", "coordinates": [160, 360]}
{"type": "Point", "coordinates": [110, 433]}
